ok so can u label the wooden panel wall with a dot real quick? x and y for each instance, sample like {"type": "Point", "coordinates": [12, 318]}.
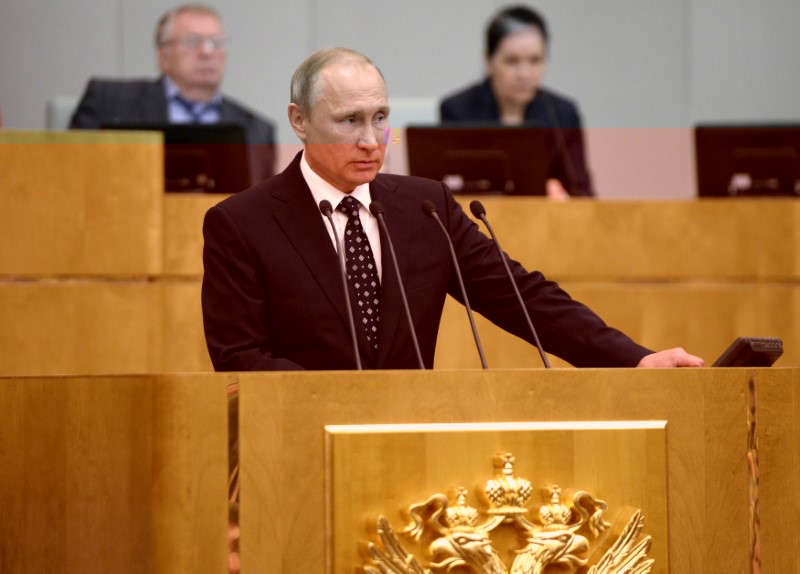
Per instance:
{"type": "Point", "coordinates": [695, 274]}
{"type": "Point", "coordinates": [80, 243]}
{"type": "Point", "coordinates": [101, 272]}
{"type": "Point", "coordinates": [113, 474]}
{"type": "Point", "coordinates": [80, 203]}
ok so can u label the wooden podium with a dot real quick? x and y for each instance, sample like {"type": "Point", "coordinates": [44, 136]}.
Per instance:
{"type": "Point", "coordinates": [731, 456]}
{"type": "Point", "coordinates": [128, 473]}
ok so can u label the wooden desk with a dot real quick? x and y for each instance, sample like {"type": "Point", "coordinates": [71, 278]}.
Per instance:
{"type": "Point", "coordinates": [100, 271]}
{"type": "Point", "coordinates": [695, 274]}
{"type": "Point", "coordinates": [80, 246]}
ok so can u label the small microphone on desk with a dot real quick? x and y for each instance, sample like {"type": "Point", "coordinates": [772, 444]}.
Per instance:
{"type": "Point", "coordinates": [561, 145]}
{"type": "Point", "coordinates": [476, 207]}
{"type": "Point", "coordinates": [430, 210]}
{"type": "Point", "coordinates": [377, 210]}
{"type": "Point", "coordinates": [327, 210]}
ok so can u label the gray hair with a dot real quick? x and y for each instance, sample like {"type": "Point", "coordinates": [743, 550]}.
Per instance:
{"type": "Point", "coordinates": [304, 89]}
{"type": "Point", "coordinates": [164, 26]}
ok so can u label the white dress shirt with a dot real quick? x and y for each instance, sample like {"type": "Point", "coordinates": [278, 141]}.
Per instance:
{"type": "Point", "coordinates": [321, 189]}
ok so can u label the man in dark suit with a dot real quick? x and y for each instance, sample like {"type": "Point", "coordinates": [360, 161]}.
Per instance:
{"type": "Point", "coordinates": [190, 40]}
{"type": "Point", "coordinates": [273, 298]}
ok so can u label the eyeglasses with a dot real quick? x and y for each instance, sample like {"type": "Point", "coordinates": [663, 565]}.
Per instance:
{"type": "Point", "coordinates": [196, 43]}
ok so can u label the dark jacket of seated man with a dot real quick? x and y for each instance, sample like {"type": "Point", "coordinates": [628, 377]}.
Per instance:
{"type": "Point", "coordinates": [109, 102]}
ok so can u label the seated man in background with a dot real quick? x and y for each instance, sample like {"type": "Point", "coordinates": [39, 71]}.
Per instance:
{"type": "Point", "coordinates": [190, 40]}
{"type": "Point", "coordinates": [516, 56]}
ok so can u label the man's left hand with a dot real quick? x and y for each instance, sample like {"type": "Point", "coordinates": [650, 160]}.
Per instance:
{"type": "Point", "coordinates": [676, 357]}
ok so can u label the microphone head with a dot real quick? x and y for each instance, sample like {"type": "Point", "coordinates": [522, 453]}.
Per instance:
{"type": "Point", "coordinates": [376, 209]}
{"type": "Point", "coordinates": [325, 207]}
{"type": "Point", "coordinates": [428, 207]}
{"type": "Point", "coordinates": [476, 207]}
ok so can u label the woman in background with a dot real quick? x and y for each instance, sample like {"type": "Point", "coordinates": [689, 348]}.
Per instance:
{"type": "Point", "coordinates": [516, 57]}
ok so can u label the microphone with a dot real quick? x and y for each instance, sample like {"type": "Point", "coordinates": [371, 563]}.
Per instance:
{"type": "Point", "coordinates": [476, 207]}
{"type": "Point", "coordinates": [561, 146]}
{"type": "Point", "coordinates": [430, 210]}
{"type": "Point", "coordinates": [327, 210]}
{"type": "Point", "coordinates": [376, 209]}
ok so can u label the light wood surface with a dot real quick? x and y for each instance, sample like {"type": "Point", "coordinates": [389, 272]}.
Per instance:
{"type": "Point", "coordinates": [183, 233]}
{"type": "Point", "coordinates": [80, 245]}
{"type": "Point", "coordinates": [778, 442]}
{"type": "Point", "coordinates": [704, 317]}
{"type": "Point", "coordinates": [80, 326]}
{"type": "Point", "coordinates": [696, 240]}
{"type": "Point", "coordinates": [285, 498]}
{"type": "Point", "coordinates": [589, 240]}
{"type": "Point", "coordinates": [190, 473]}
{"type": "Point", "coordinates": [80, 203]}
{"type": "Point", "coordinates": [695, 274]}
{"type": "Point", "coordinates": [113, 474]}
{"type": "Point", "coordinates": [101, 270]}
{"type": "Point", "coordinates": [128, 473]}
{"type": "Point", "coordinates": [184, 343]}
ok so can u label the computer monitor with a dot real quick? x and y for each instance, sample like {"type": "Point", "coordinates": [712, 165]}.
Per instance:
{"type": "Point", "coordinates": [480, 159]}
{"type": "Point", "coordinates": [201, 158]}
{"type": "Point", "coordinates": [747, 160]}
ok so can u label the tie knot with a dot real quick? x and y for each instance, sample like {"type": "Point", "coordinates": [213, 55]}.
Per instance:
{"type": "Point", "coordinates": [349, 206]}
{"type": "Point", "coordinates": [195, 109]}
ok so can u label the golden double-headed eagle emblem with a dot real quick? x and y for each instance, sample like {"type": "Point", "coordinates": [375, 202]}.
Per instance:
{"type": "Point", "coordinates": [567, 532]}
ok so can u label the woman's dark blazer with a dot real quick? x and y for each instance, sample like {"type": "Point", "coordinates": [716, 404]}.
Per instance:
{"type": "Point", "coordinates": [567, 161]}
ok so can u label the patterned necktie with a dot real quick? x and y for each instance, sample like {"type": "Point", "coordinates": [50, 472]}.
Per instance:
{"type": "Point", "coordinates": [362, 273]}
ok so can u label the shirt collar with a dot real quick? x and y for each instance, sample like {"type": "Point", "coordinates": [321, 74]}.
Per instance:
{"type": "Point", "coordinates": [321, 189]}
{"type": "Point", "coordinates": [171, 90]}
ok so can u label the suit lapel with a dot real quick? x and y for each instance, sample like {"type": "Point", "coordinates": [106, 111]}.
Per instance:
{"type": "Point", "coordinates": [301, 222]}
{"type": "Point", "coordinates": [154, 102]}
{"type": "Point", "coordinates": [230, 113]}
{"type": "Point", "coordinates": [396, 216]}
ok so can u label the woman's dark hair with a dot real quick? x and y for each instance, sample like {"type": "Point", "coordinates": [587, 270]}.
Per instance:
{"type": "Point", "coordinates": [509, 21]}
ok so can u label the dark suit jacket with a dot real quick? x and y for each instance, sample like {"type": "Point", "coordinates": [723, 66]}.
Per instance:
{"type": "Point", "coordinates": [567, 161]}
{"type": "Point", "coordinates": [109, 102]}
{"type": "Point", "coordinates": [273, 298]}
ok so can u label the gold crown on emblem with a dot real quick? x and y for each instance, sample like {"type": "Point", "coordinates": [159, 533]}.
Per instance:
{"type": "Point", "coordinates": [461, 518]}
{"type": "Point", "coordinates": [448, 535]}
{"type": "Point", "coordinates": [555, 515]}
{"type": "Point", "coordinates": [506, 493]}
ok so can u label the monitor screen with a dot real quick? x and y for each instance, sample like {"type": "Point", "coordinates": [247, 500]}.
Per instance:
{"type": "Point", "coordinates": [480, 159]}
{"type": "Point", "coordinates": [748, 160]}
{"type": "Point", "coordinates": [201, 158]}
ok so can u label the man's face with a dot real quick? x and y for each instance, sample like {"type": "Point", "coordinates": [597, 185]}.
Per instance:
{"type": "Point", "coordinates": [517, 66]}
{"type": "Point", "coordinates": [345, 133]}
{"type": "Point", "coordinates": [193, 55]}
